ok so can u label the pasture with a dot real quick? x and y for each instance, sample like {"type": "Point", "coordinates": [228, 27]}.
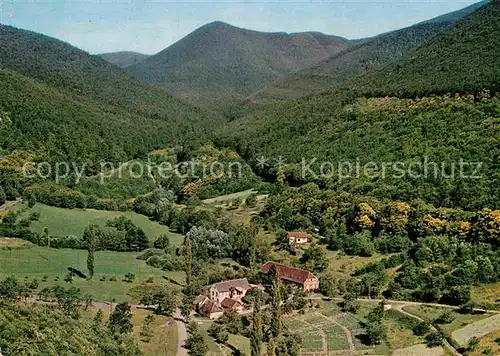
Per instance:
{"type": "Point", "coordinates": [51, 265]}
{"type": "Point", "coordinates": [63, 222]}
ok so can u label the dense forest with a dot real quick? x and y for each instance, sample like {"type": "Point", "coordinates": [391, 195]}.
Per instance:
{"type": "Point", "coordinates": [357, 122]}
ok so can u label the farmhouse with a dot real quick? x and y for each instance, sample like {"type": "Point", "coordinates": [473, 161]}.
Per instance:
{"type": "Point", "coordinates": [226, 295]}
{"type": "Point", "coordinates": [298, 238]}
{"type": "Point", "coordinates": [234, 289]}
{"type": "Point", "coordinates": [292, 275]}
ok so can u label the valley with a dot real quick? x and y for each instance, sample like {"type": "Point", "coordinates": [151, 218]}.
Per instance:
{"type": "Point", "coordinates": [253, 193]}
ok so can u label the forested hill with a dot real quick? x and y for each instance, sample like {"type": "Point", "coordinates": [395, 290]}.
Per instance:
{"type": "Point", "coordinates": [465, 58]}
{"type": "Point", "coordinates": [364, 57]}
{"type": "Point", "coordinates": [344, 125]}
{"type": "Point", "coordinates": [219, 62]}
{"type": "Point", "coordinates": [123, 59]}
{"type": "Point", "coordinates": [39, 118]}
{"type": "Point", "coordinates": [60, 100]}
{"type": "Point", "coordinates": [74, 71]}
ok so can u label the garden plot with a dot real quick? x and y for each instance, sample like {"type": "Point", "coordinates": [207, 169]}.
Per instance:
{"type": "Point", "coordinates": [312, 339]}
{"type": "Point", "coordinates": [335, 338]}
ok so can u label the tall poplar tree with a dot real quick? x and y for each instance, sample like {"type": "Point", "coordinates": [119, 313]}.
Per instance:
{"type": "Point", "coordinates": [276, 323]}
{"type": "Point", "coordinates": [256, 334]}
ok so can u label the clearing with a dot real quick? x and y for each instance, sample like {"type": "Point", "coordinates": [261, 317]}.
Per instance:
{"type": "Point", "coordinates": [30, 262]}
{"type": "Point", "coordinates": [64, 222]}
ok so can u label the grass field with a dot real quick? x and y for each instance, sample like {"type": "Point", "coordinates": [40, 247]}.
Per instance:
{"type": "Point", "coordinates": [164, 340]}
{"type": "Point", "coordinates": [488, 293]}
{"type": "Point", "coordinates": [30, 262]}
{"type": "Point", "coordinates": [431, 313]}
{"type": "Point", "coordinates": [63, 222]}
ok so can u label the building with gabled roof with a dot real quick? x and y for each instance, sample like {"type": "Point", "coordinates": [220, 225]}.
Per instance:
{"type": "Point", "coordinates": [233, 289]}
{"type": "Point", "coordinates": [298, 238]}
{"type": "Point", "coordinates": [293, 275]}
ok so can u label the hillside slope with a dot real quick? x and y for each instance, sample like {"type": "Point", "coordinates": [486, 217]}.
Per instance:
{"type": "Point", "coordinates": [44, 330]}
{"type": "Point", "coordinates": [361, 58]}
{"type": "Point", "coordinates": [219, 62]}
{"type": "Point", "coordinates": [37, 117]}
{"type": "Point", "coordinates": [123, 59]}
{"type": "Point", "coordinates": [74, 71]}
{"type": "Point", "coordinates": [342, 124]}
{"type": "Point", "coordinates": [463, 59]}
{"type": "Point", "coordinates": [66, 102]}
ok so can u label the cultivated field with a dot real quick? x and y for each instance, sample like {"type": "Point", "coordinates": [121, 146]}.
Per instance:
{"type": "Point", "coordinates": [30, 262]}
{"type": "Point", "coordinates": [63, 222]}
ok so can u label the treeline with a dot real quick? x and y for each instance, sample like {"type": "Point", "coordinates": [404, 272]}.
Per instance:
{"type": "Point", "coordinates": [120, 234]}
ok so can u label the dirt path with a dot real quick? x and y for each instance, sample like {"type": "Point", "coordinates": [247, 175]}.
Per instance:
{"type": "Point", "coordinates": [399, 308]}
{"type": "Point", "coordinates": [182, 334]}
{"type": "Point", "coordinates": [10, 204]}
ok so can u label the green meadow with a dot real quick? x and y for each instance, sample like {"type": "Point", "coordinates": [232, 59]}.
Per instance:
{"type": "Point", "coordinates": [63, 222]}
{"type": "Point", "coordinates": [28, 262]}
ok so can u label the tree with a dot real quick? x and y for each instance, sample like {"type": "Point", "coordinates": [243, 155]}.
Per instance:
{"type": "Point", "coordinates": [434, 339]}
{"type": "Point", "coordinates": [422, 328]}
{"type": "Point", "coordinates": [164, 299]}
{"type": "Point", "coordinates": [146, 332]}
{"type": "Point", "coordinates": [129, 277]}
{"type": "Point", "coordinates": [315, 258]}
{"type": "Point", "coordinates": [271, 347]}
{"type": "Point", "coordinates": [445, 318]}
{"type": "Point", "coordinates": [90, 236]}
{"type": "Point", "coordinates": [10, 288]}
{"type": "Point", "coordinates": [256, 333]}
{"type": "Point", "coordinates": [162, 242]}
{"type": "Point", "coordinates": [188, 260]}
{"type": "Point", "coordinates": [3, 197]}
{"type": "Point", "coordinates": [251, 200]}
{"type": "Point", "coordinates": [350, 304]}
{"type": "Point", "coordinates": [375, 332]}
{"type": "Point", "coordinates": [282, 240]}
{"type": "Point", "coordinates": [97, 322]}
{"type": "Point", "coordinates": [288, 345]}
{"type": "Point", "coordinates": [196, 344]}
{"type": "Point", "coordinates": [120, 320]}
{"type": "Point", "coordinates": [276, 323]}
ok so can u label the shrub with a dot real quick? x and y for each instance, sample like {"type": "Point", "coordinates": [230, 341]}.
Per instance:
{"type": "Point", "coordinates": [422, 328]}
{"type": "Point", "coordinates": [445, 318]}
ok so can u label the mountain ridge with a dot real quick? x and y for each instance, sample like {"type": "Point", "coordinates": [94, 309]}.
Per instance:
{"type": "Point", "coordinates": [123, 59]}
{"type": "Point", "coordinates": [369, 54]}
{"type": "Point", "coordinates": [219, 62]}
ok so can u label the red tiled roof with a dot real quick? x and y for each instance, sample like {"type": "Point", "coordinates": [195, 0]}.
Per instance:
{"type": "Point", "coordinates": [298, 235]}
{"type": "Point", "coordinates": [210, 307]}
{"type": "Point", "coordinates": [229, 303]}
{"type": "Point", "coordinates": [288, 273]}
{"type": "Point", "coordinates": [239, 284]}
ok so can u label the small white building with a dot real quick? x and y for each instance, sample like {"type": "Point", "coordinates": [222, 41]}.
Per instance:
{"type": "Point", "coordinates": [298, 238]}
